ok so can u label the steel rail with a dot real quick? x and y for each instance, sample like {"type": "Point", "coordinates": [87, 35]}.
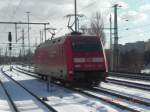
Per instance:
{"type": "Point", "coordinates": [129, 84]}
{"type": "Point", "coordinates": [139, 76]}
{"type": "Point", "coordinates": [14, 107]}
{"type": "Point", "coordinates": [41, 101]}
{"type": "Point", "coordinates": [94, 96]}
{"type": "Point", "coordinates": [121, 95]}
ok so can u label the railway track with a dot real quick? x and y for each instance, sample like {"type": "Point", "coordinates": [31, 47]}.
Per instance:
{"type": "Point", "coordinates": [96, 93]}
{"type": "Point", "coordinates": [129, 84]}
{"type": "Point", "coordinates": [139, 76]}
{"type": "Point", "coordinates": [124, 83]}
{"type": "Point", "coordinates": [118, 102]}
{"type": "Point", "coordinates": [11, 105]}
{"type": "Point", "coordinates": [133, 99]}
{"type": "Point", "coordinates": [40, 103]}
{"type": "Point", "coordinates": [27, 72]}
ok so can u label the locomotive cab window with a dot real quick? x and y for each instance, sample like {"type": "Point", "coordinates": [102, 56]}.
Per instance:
{"type": "Point", "coordinates": [86, 47]}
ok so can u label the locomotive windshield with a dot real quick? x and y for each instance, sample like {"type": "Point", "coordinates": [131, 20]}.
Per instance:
{"type": "Point", "coordinates": [86, 44]}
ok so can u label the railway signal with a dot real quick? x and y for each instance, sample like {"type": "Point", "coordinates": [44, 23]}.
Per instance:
{"type": "Point", "coordinates": [10, 40]}
{"type": "Point", "coordinates": [9, 37]}
{"type": "Point", "coordinates": [10, 47]}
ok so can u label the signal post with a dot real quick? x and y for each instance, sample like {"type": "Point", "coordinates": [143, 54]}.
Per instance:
{"type": "Point", "coordinates": [10, 47]}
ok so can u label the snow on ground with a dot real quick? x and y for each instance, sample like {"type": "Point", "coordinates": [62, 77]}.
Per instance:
{"type": "Point", "coordinates": [127, 90]}
{"type": "Point", "coordinates": [29, 68]}
{"type": "Point", "coordinates": [59, 97]}
{"type": "Point", "coordinates": [23, 100]}
{"type": "Point", "coordinates": [147, 71]}
{"type": "Point", "coordinates": [131, 80]}
{"type": "Point", "coordinates": [4, 105]}
{"type": "Point", "coordinates": [123, 89]}
{"type": "Point", "coordinates": [122, 101]}
{"type": "Point", "coordinates": [62, 99]}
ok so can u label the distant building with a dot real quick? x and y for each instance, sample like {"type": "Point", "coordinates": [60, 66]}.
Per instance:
{"type": "Point", "coordinates": [138, 46]}
{"type": "Point", "coordinates": [147, 45]}
{"type": "Point", "coordinates": [131, 56]}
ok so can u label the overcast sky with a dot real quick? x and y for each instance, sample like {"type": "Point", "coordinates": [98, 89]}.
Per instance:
{"type": "Point", "coordinates": [54, 11]}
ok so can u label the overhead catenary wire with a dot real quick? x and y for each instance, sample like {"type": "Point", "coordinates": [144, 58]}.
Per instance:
{"type": "Point", "coordinates": [14, 12]}
{"type": "Point", "coordinates": [91, 4]}
{"type": "Point", "coordinates": [135, 34]}
{"type": "Point", "coordinates": [16, 9]}
{"type": "Point", "coordinates": [140, 26]}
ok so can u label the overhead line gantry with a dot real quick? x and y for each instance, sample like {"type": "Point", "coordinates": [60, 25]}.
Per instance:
{"type": "Point", "coordinates": [33, 23]}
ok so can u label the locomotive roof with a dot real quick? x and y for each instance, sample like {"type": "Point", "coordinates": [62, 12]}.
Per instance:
{"type": "Point", "coordinates": [53, 41]}
{"type": "Point", "coordinates": [60, 40]}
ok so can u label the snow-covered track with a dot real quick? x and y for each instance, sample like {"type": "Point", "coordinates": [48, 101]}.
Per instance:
{"type": "Point", "coordinates": [139, 76]}
{"type": "Point", "coordinates": [141, 101]}
{"type": "Point", "coordinates": [124, 83]}
{"type": "Point", "coordinates": [49, 108]}
{"type": "Point", "coordinates": [108, 100]}
{"type": "Point", "coordinates": [26, 72]}
{"type": "Point", "coordinates": [130, 84]}
{"type": "Point", "coordinates": [11, 103]}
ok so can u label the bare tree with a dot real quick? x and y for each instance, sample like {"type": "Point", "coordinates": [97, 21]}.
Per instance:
{"type": "Point", "coordinates": [83, 28]}
{"type": "Point", "coordinates": [97, 26]}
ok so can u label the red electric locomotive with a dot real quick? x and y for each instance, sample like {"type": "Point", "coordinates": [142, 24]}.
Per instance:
{"type": "Point", "coordinates": [72, 58]}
